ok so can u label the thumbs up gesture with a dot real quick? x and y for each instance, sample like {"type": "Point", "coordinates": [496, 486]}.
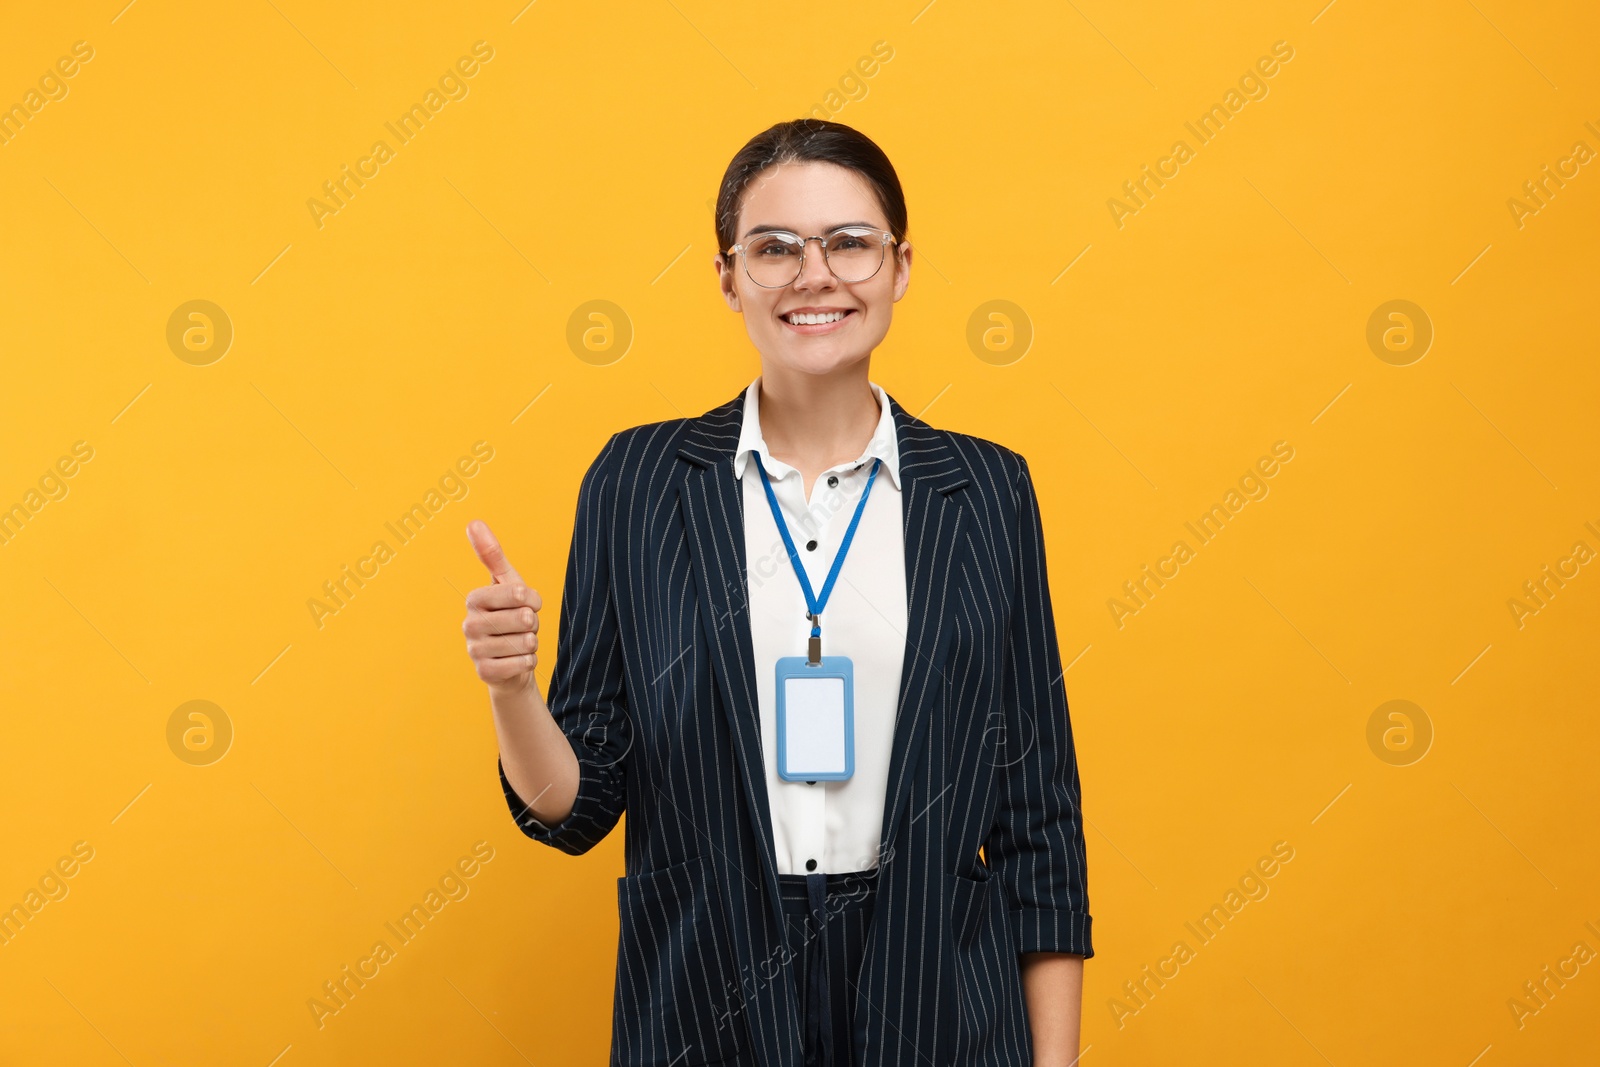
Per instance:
{"type": "Point", "coordinates": [502, 624]}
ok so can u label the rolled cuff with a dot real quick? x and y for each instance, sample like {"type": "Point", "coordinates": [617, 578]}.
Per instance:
{"type": "Point", "coordinates": [1053, 930]}
{"type": "Point", "coordinates": [584, 826]}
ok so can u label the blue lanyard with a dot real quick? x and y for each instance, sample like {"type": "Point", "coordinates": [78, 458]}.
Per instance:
{"type": "Point", "coordinates": [812, 602]}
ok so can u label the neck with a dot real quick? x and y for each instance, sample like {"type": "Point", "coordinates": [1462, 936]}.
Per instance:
{"type": "Point", "coordinates": [818, 419]}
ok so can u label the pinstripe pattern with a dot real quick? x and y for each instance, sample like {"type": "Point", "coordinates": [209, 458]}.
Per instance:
{"type": "Point", "coordinates": [828, 940]}
{"type": "Point", "coordinates": [654, 685]}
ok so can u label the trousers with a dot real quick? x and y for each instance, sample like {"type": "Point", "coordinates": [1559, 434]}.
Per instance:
{"type": "Point", "coordinates": [826, 919]}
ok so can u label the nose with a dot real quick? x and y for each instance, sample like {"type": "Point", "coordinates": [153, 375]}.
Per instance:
{"type": "Point", "coordinates": [814, 270]}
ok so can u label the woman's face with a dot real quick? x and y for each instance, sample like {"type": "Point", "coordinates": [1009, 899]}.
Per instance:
{"type": "Point", "coordinates": [807, 199]}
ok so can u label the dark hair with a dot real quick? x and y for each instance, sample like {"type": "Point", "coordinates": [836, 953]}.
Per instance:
{"type": "Point", "coordinates": [806, 141]}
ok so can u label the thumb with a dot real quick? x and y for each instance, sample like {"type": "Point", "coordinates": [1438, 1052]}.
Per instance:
{"type": "Point", "coordinates": [489, 552]}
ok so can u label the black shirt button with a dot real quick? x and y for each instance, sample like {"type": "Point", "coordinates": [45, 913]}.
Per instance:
{"type": "Point", "coordinates": [811, 546]}
{"type": "Point", "coordinates": [833, 481]}
{"type": "Point", "coordinates": [811, 865]}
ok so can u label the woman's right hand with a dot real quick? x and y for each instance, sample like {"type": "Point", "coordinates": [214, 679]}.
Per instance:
{"type": "Point", "coordinates": [502, 623]}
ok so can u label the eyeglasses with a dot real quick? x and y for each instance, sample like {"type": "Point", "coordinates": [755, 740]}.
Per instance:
{"type": "Point", "coordinates": [776, 258]}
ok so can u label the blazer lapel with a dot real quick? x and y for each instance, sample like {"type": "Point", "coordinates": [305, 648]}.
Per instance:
{"type": "Point", "coordinates": [712, 503]}
{"type": "Point", "coordinates": [934, 542]}
{"type": "Point", "coordinates": [713, 511]}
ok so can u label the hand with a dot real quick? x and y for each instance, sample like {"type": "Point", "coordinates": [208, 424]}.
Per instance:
{"type": "Point", "coordinates": [502, 624]}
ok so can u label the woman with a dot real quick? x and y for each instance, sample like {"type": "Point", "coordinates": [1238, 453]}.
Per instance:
{"type": "Point", "coordinates": [807, 644]}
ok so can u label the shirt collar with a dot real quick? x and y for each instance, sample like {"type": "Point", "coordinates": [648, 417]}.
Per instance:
{"type": "Point", "coordinates": [884, 444]}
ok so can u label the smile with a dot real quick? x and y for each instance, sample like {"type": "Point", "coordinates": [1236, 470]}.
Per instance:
{"type": "Point", "coordinates": [815, 322]}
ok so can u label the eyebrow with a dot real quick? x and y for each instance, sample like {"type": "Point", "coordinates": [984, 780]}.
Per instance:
{"type": "Point", "coordinates": [752, 231]}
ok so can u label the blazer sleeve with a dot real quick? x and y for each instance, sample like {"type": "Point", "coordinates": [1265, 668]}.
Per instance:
{"type": "Point", "coordinates": [588, 695]}
{"type": "Point", "coordinates": [1036, 847]}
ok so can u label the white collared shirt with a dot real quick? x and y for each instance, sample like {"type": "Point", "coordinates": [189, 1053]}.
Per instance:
{"type": "Point", "coordinates": [828, 826]}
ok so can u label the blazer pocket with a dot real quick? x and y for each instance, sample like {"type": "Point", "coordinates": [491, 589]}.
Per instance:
{"type": "Point", "coordinates": [972, 900]}
{"type": "Point", "coordinates": [676, 1002]}
{"type": "Point", "coordinates": [988, 968]}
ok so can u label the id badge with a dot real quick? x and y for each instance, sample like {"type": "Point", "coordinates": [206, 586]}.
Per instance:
{"type": "Point", "coordinates": [816, 719]}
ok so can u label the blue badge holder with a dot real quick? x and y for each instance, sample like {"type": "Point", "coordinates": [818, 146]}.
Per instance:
{"type": "Point", "coordinates": [831, 667]}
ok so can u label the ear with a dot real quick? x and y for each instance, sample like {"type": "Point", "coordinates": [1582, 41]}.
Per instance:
{"type": "Point", "coordinates": [725, 280]}
{"type": "Point", "coordinates": [902, 271]}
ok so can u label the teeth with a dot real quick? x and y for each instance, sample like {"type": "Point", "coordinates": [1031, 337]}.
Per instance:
{"type": "Point", "coordinates": [815, 320]}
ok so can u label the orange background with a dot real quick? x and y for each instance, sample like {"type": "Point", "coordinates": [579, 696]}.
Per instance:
{"type": "Point", "coordinates": [1143, 364]}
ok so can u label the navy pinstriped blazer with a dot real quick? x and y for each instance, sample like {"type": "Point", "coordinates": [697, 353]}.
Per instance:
{"type": "Point", "coordinates": [653, 684]}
